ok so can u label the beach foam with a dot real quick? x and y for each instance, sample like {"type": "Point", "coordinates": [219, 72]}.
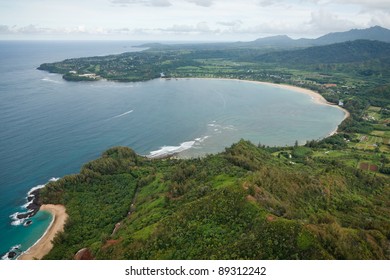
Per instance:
{"type": "Point", "coordinates": [51, 80]}
{"type": "Point", "coordinates": [171, 150]}
{"type": "Point", "coordinates": [15, 249]}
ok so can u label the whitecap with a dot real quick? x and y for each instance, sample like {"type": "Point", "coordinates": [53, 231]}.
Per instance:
{"type": "Point", "coordinates": [50, 80]}
{"type": "Point", "coordinates": [121, 115]}
{"type": "Point", "coordinates": [202, 139]}
{"type": "Point", "coordinates": [170, 150]}
{"type": "Point", "coordinates": [13, 249]}
{"type": "Point", "coordinates": [34, 189]}
{"type": "Point", "coordinates": [5, 257]}
{"type": "Point", "coordinates": [54, 179]}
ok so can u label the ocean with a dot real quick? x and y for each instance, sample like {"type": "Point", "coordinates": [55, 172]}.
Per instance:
{"type": "Point", "coordinates": [49, 127]}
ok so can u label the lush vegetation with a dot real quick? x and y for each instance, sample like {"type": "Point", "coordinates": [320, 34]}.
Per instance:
{"type": "Point", "coordinates": [328, 199]}
{"type": "Point", "coordinates": [244, 203]}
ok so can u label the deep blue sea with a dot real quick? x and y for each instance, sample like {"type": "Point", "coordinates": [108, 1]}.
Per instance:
{"type": "Point", "coordinates": [50, 127]}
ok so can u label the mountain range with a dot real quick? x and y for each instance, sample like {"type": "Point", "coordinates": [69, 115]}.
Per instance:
{"type": "Point", "coordinates": [375, 33]}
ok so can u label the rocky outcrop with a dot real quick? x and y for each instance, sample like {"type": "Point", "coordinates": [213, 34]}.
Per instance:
{"type": "Point", "coordinates": [84, 254]}
{"type": "Point", "coordinates": [117, 227]}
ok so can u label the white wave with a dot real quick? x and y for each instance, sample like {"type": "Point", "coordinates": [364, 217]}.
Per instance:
{"type": "Point", "coordinates": [54, 179]}
{"type": "Point", "coordinates": [124, 114]}
{"type": "Point", "coordinates": [25, 206]}
{"type": "Point", "coordinates": [50, 80]}
{"type": "Point", "coordinates": [5, 257]}
{"type": "Point", "coordinates": [13, 248]}
{"type": "Point", "coordinates": [170, 150]}
{"type": "Point", "coordinates": [202, 139]}
{"type": "Point", "coordinates": [218, 127]}
{"type": "Point", "coordinates": [34, 189]}
{"type": "Point", "coordinates": [16, 247]}
{"type": "Point", "coordinates": [15, 220]}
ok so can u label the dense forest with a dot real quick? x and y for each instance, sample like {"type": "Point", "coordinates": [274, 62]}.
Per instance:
{"type": "Point", "coordinates": [244, 203]}
{"type": "Point", "coordinates": [328, 199]}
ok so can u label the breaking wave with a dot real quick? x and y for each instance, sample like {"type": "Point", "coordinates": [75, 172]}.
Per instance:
{"type": "Point", "coordinates": [15, 249]}
{"type": "Point", "coordinates": [50, 80]}
{"type": "Point", "coordinates": [171, 150]}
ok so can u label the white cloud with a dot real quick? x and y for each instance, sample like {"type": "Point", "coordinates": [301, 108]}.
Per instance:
{"type": "Point", "coordinates": [153, 3]}
{"type": "Point", "coordinates": [201, 27]}
{"type": "Point", "coordinates": [4, 29]}
{"type": "Point", "coordinates": [207, 19]}
{"type": "Point", "coordinates": [266, 3]}
{"type": "Point", "coordinates": [203, 3]}
{"type": "Point", "coordinates": [233, 23]}
{"type": "Point", "coordinates": [325, 21]}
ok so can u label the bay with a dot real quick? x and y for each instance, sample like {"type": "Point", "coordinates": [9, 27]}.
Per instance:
{"type": "Point", "coordinates": [50, 127]}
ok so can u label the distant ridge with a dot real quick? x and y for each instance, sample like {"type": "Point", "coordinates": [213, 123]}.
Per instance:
{"type": "Point", "coordinates": [375, 33]}
{"type": "Point", "coordinates": [283, 42]}
{"type": "Point", "coordinates": [345, 52]}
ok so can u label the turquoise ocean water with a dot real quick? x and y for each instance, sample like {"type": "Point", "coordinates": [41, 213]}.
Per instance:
{"type": "Point", "coordinates": [50, 127]}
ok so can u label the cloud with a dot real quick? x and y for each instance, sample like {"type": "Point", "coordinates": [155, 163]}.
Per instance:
{"type": "Point", "coordinates": [153, 3]}
{"type": "Point", "coordinates": [232, 23]}
{"type": "Point", "coordinates": [201, 27]}
{"type": "Point", "coordinates": [380, 18]}
{"type": "Point", "coordinates": [203, 3]}
{"type": "Point", "coordinates": [364, 4]}
{"type": "Point", "coordinates": [4, 29]}
{"type": "Point", "coordinates": [323, 21]}
{"type": "Point", "coordinates": [266, 3]}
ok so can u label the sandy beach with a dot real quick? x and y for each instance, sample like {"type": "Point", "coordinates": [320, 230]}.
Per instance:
{"type": "Point", "coordinates": [44, 244]}
{"type": "Point", "coordinates": [316, 97]}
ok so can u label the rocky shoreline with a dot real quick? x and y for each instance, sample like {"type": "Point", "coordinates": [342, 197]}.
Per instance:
{"type": "Point", "coordinates": [33, 206]}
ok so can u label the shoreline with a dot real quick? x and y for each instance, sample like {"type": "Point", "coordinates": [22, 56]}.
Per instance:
{"type": "Point", "coordinates": [44, 244]}
{"type": "Point", "coordinates": [316, 97]}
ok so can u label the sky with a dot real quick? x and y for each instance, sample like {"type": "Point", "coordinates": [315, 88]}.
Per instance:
{"type": "Point", "coordinates": [185, 20]}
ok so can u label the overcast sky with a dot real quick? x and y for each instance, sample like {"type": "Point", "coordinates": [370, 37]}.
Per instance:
{"type": "Point", "coordinates": [186, 20]}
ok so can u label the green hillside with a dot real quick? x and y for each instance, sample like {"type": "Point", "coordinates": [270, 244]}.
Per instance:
{"type": "Point", "coordinates": [245, 203]}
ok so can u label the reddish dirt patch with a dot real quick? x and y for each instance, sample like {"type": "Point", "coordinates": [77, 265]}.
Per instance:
{"type": "Point", "coordinates": [364, 166]}
{"type": "Point", "coordinates": [250, 198]}
{"type": "Point", "coordinates": [83, 254]}
{"type": "Point", "coordinates": [373, 167]}
{"type": "Point", "coordinates": [271, 218]}
{"type": "Point", "coordinates": [110, 243]}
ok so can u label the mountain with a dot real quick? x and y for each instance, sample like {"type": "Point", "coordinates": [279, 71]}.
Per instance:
{"type": "Point", "coordinates": [375, 33]}
{"type": "Point", "coordinates": [279, 42]}
{"type": "Point", "coordinates": [346, 52]}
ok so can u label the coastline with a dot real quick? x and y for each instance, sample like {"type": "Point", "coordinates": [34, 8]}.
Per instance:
{"type": "Point", "coordinates": [44, 244]}
{"type": "Point", "coordinates": [316, 97]}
